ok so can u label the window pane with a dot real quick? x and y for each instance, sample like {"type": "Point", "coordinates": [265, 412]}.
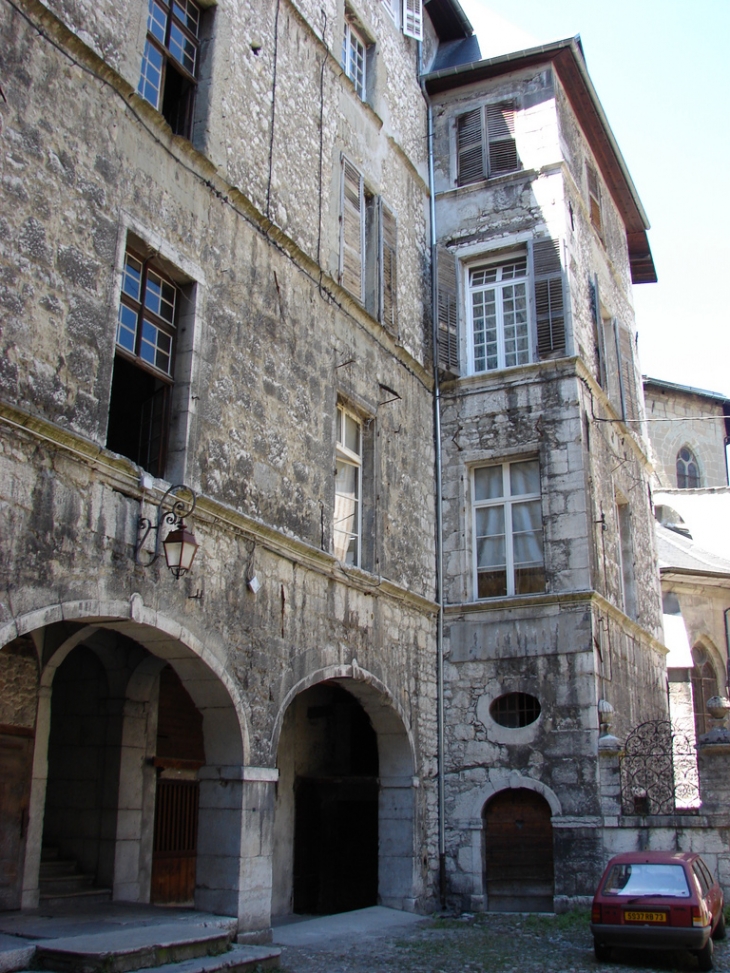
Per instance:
{"type": "Point", "coordinates": [529, 581]}
{"type": "Point", "coordinates": [484, 320]}
{"type": "Point", "coordinates": [126, 328]}
{"type": "Point", "coordinates": [346, 520]}
{"type": "Point", "coordinates": [514, 316]}
{"type": "Point", "coordinates": [352, 435]}
{"type": "Point", "coordinates": [188, 15]}
{"type": "Point", "coordinates": [489, 521]}
{"type": "Point", "coordinates": [491, 584]}
{"type": "Point", "coordinates": [524, 478]}
{"type": "Point", "coordinates": [157, 21]}
{"type": "Point", "coordinates": [491, 552]}
{"type": "Point", "coordinates": [160, 297]}
{"type": "Point", "coordinates": [488, 483]}
{"type": "Point", "coordinates": [132, 277]}
{"type": "Point", "coordinates": [151, 75]}
{"type": "Point", "coordinates": [182, 48]}
{"type": "Point", "coordinates": [155, 346]}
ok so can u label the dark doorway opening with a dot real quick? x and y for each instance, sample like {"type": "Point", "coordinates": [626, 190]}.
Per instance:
{"type": "Point", "coordinates": [336, 806]}
{"type": "Point", "coordinates": [518, 852]}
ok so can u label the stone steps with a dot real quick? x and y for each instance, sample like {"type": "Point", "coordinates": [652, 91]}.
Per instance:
{"type": "Point", "coordinates": [61, 883]}
{"type": "Point", "coordinates": [160, 948]}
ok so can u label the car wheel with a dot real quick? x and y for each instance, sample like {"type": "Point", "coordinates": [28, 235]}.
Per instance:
{"type": "Point", "coordinates": [720, 929]}
{"type": "Point", "coordinates": [704, 956]}
{"type": "Point", "coordinates": [603, 952]}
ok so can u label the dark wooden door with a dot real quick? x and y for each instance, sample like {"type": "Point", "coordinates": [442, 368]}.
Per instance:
{"type": "Point", "coordinates": [180, 753]}
{"type": "Point", "coordinates": [16, 756]}
{"type": "Point", "coordinates": [518, 852]}
{"type": "Point", "coordinates": [175, 842]}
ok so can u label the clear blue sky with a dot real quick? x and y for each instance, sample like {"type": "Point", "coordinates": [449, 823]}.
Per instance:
{"type": "Point", "coordinates": [662, 72]}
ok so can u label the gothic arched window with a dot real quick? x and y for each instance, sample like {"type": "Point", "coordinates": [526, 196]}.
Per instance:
{"type": "Point", "coordinates": [704, 686]}
{"type": "Point", "coordinates": [688, 469]}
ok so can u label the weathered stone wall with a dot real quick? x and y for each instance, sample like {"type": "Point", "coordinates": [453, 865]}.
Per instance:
{"type": "Point", "coordinates": [18, 683]}
{"type": "Point", "coordinates": [705, 439]}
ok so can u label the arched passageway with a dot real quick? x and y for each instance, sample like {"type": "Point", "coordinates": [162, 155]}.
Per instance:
{"type": "Point", "coordinates": [138, 770]}
{"type": "Point", "coordinates": [518, 852]}
{"type": "Point", "coordinates": [344, 819]}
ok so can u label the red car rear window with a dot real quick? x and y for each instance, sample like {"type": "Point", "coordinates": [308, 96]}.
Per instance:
{"type": "Point", "coordinates": [642, 878]}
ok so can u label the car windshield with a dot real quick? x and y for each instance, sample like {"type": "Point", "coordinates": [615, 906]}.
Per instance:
{"type": "Point", "coordinates": [641, 878]}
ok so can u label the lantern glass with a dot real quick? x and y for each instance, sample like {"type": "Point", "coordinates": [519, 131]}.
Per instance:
{"type": "Point", "coordinates": [180, 548]}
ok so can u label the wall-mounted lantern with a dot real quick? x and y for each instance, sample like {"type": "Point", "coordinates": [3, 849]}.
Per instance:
{"type": "Point", "coordinates": [180, 544]}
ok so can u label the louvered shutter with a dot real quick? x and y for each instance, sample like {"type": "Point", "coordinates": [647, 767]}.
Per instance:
{"type": "Point", "coordinates": [448, 330]}
{"type": "Point", "coordinates": [353, 228]}
{"type": "Point", "coordinates": [413, 19]}
{"type": "Point", "coordinates": [599, 336]}
{"type": "Point", "coordinates": [502, 147]}
{"type": "Point", "coordinates": [388, 269]}
{"type": "Point", "coordinates": [594, 197]}
{"type": "Point", "coordinates": [549, 298]}
{"type": "Point", "coordinates": [627, 374]}
{"type": "Point", "coordinates": [470, 149]}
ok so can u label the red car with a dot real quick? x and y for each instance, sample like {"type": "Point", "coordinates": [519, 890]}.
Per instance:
{"type": "Point", "coordinates": [658, 900]}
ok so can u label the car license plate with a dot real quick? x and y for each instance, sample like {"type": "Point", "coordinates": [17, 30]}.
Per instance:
{"type": "Point", "coordinates": [645, 916]}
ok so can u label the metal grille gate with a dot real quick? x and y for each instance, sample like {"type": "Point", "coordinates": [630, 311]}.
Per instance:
{"type": "Point", "coordinates": [659, 770]}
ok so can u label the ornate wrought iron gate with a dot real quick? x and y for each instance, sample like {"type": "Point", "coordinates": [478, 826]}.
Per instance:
{"type": "Point", "coordinates": [659, 770]}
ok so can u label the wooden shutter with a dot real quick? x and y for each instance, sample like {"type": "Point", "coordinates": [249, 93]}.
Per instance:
{"type": "Point", "coordinates": [353, 230]}
{"type": "Point", "coordinates": [594, 197]}
{"type": "Point", "coordinates": [388, 269]}
{"type": "Point", "coordinates": [447, 331]}
{"type": "Point", "coordinates": [598, 336]}
{"type": "Point", "coordinates": [413, 19]}
{"type": "Point", "coordinates": [502, 147]}
{"type": "Point", "coordinates": [469, 147]}
{"type": "Point", "coordinates": [549, 298]}
{"type": "Point", "coordinates": [627, 373]}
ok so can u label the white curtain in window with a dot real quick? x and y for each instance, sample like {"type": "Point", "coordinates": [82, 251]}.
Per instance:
{"type": "Point", "coordinates": [346, 512]}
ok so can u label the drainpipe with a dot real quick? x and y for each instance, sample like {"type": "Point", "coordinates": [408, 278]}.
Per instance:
{"type": "Point", "coordinates": [439, 513]}
{"type": "Point", "coordinates": [727, 649]}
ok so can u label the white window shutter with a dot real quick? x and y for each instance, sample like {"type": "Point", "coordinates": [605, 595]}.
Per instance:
{"type": "Point", "coordinates": [413, 19]}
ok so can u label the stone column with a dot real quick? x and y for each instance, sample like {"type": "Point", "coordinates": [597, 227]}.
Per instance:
{"type": "Point", "coordinates": [234, 874]}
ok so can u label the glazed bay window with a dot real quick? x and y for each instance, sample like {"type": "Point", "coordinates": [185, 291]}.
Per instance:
{"type": "Point", "coordinates": [499, 314]}
{"type": "Point", "coordinates": [170, 61]}
{"type": "Point", "coordinates": [508, 529]}
{"type": "Point", "coordinates": [348, 488]}
{"type": "Point", "coordinates": [142, 381]}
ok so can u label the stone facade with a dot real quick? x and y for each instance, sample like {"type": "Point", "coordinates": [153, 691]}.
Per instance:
{"type": "Point", "coordinates": [680, 417]}
{"type": "Point", "coordinates": [240, 217]}
{"type": "Point", "coordinates": [590, 628]}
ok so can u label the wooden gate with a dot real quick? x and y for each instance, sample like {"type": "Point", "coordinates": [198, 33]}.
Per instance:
{"type": "Point", "coordinates": [518, 852]}
{"type": "Point", "coordinates": [16, 755]}
{"type": "Point", "coordinates": [175, 841]}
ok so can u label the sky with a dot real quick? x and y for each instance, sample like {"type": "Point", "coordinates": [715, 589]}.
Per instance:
{"type": "Point", "coordinates": [660, 68]}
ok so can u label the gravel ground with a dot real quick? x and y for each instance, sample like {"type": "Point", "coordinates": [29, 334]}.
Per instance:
{"type": "Point", "coordinates": [487, 944]}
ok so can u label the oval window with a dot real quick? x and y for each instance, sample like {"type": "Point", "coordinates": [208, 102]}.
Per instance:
{"type": "Point", "coordinates": [515, 709]}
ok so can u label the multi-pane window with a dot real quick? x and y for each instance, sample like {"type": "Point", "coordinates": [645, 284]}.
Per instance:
{"type": "Point", "coordinates": [348, 488]}
{"type": "Point", "coordinates": [354, 59]}
{"type": "Point", "coordinates": [143, 365]}
{"type": "Point", "coordinates": [499, 313]}
{"type": "Point", "coordinates": [508, 529]}
{"type": "Point", "coordinates": [704, 687]}
{"type": "Point", "coordinates": [485, 143]}
{"type": "Point", "coordinates": [170, 61]}
{"type": "Point", "coordinates": [688, 470]}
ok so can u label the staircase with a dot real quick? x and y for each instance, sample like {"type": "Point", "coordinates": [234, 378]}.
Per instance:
{"type": "Point", "coordinates": [62, 883]}
{"type": "Point", "coordinates": [196, 944]}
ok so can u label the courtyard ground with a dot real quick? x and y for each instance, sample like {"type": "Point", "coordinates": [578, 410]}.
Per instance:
{"type": "Point", "coordinates": [492, 943]}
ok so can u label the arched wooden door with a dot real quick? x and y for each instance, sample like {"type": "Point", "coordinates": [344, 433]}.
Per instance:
{"type": "Point", "coordinates": [518, 852]}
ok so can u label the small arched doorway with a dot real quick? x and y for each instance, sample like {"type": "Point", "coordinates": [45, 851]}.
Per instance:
{"type": "Point", "coordinates": [518, 852]}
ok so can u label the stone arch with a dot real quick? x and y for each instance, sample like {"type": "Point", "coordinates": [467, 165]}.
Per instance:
{"type": "Point", "coordinates": [202, 670]}
{"type": "Point", "coordinates": [707, 678]}
{"type": "Point", "coordinates": [397, 881]}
